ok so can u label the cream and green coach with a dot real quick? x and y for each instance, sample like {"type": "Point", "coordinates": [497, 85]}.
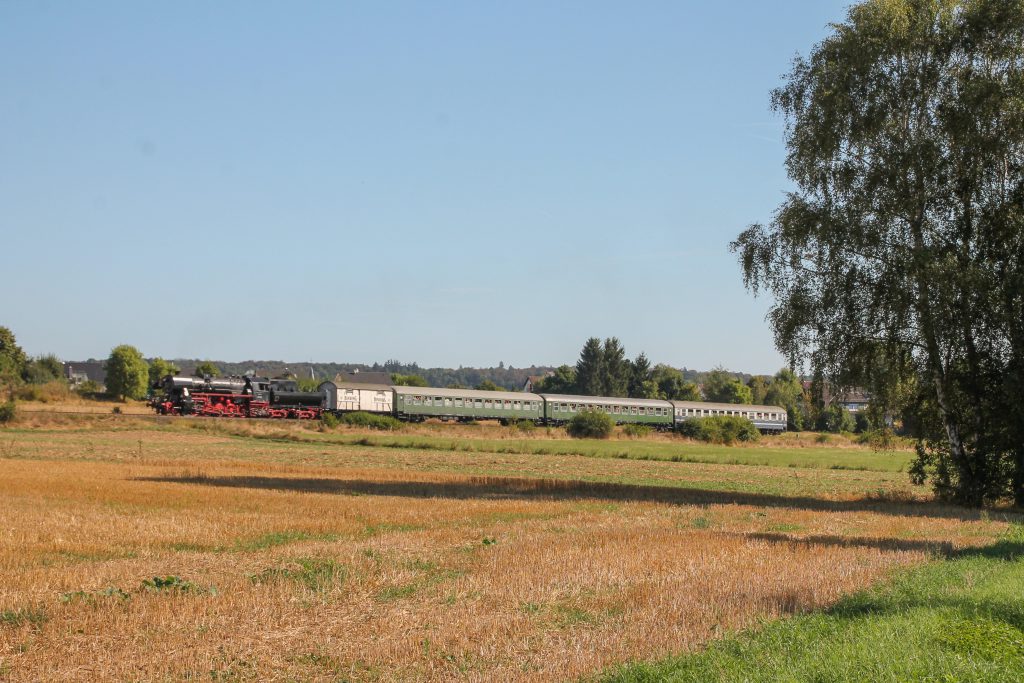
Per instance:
{"type": "Point", "coordinates": [422, 403]}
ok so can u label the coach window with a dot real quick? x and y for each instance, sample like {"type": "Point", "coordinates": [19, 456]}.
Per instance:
{"type": "Point", "coordinates": [458, 403]}
{"type": "Point", "coordinates": [478, 403]}
{"type": "Point", "coordinates": [497, 405]}
{"type": "Point", "coordinates": [447, 403]}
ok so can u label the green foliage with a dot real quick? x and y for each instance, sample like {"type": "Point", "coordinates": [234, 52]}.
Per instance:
{"type": "Point", "coordinates": [720, 429]}
{"type": "Point", "coordinates": [895, 261]}
{"type": "Point", "coordinates": [880, 440]}
{"type": "Point", "coordinates": [95, 597]}
{"type": "Point", "coordinates": [862, 422]}
{"type": "Point", "coordinates": [616, 370]}
{"type": "Point", "coordinates": [759, 388]}
{"type": "Point", "coordinates": [206, 369]}
{"type": "Point", "coordinates": [8, 411]}
{"type": "Point", "coordinates": [488, 385]}
{"type": "Point", "coordinates": [563, 381]}
{"type": "Point", "coordinates": [43, 369]}
{"type": "Point", "coordinates": [590, 368]}
{"type": "Point", "coordinates": [604, 370]}
{"type": "Point", "coordinates": [315, 573]}
{"type": "Point", "coordinates": [722, 386]}
{"type": "Point", "coordinates": [636, 430]}
{"type": "Point", "coordinates": [33, 616]}
{"type": "Point", "coordinates": [384, 423]}
{"type": "Point", "coordinates": [329, 420]}
{"type": "Point", "coordinates": [672, 385]}
{"type": "Point", "coordinates": [787, 391]}
{"type": "Point", "coordinates": [590, 424]}
{"type": "Point", "coordinates": [89, 388]}
{"type": "Point", "coordinates": [12, 358]}
{"type": "Point", "coordinates": [640, 383]}
{"type": "Point", "coordinates": [835, 419]}
{"type": "Point", "coordinates": [408, 380]}
{"type": "Point", "coordinates": [310, 384]}
{"type": "Point", "coordinates": [176, 584]}
{"type": "Point", "coordinates": [127, 373]}
{"type": "Point", "coordinates": [160, 368]}
{"type": "Point", "coordinates": [53, 391]}
{"type": "Point", "coordinates": [525, 426]}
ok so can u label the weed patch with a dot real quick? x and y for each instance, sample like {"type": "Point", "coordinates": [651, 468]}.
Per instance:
{"type": "Point", "coordinates": [34, 616]}
{"type": "Point", "coordinates": [316, 574]}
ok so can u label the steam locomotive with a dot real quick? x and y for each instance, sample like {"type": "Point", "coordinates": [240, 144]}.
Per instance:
{"type": "Point", "coordinates": [235, 397]}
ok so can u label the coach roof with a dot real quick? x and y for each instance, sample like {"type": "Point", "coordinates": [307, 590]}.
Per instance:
{"type": "Point", "coordinates": [467, 393]}
{"type": "Point", "coordinates": [606, 400]}
{"type": "Point", "coordinates": [743, 407]}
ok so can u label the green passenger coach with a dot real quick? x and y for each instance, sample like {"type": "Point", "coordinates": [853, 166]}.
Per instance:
{"type": "Point", "coordinates": [420, 403]}
{"type": "Point", "coordinates": [559, 409]}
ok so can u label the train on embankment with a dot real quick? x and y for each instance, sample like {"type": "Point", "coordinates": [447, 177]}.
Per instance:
{"type": "Point", "coordinates": [260, 397]}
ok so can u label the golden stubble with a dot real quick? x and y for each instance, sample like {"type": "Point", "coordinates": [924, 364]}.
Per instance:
{"type": "Point", "coordinates": [377, 571]}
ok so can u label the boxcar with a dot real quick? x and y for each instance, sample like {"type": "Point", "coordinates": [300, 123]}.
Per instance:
{"type": "Point", "coordinates": [765, 418]}
{"type": "Point", "coordinates": [344, 397]}
{"type": "Point", "coordinates": [420, 403]}
{"type": "Point", "coordinates": [559, 409]}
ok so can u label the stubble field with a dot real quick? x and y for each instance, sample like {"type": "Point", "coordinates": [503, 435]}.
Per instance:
{"type": "Point", "coordinates": [156, 550]}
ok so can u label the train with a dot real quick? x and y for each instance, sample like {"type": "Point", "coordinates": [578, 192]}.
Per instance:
{"type": "Point", "coordinates": [416, 404]}
{"type": "Point", "coordinates": [261, 397]}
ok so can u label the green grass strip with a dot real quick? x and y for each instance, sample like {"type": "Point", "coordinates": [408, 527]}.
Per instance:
{"type": "Point", "coordinates": [960, 619]}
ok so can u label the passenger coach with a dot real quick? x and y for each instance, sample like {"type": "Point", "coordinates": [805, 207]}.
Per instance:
{"type": "Point", "coordinates": [765, 418]}
{"type": "Point", "coordinates": [560, 408]}
{"type": "Point", "coordinates": [420, 403]}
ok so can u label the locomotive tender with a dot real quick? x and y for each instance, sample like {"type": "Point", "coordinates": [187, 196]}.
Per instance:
{"type": "Point", "coordinates": [281, 398]}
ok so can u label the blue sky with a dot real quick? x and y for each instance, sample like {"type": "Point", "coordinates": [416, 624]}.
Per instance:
{"type": "Point", "coordinates": [455, 183]}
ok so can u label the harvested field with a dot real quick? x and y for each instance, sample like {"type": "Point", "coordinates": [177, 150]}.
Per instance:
{"type": "Point", "coordinates": [284, 559]}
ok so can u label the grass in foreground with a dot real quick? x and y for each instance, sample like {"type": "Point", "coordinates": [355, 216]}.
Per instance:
{"type": "Point", "coordinates": [960, 619]}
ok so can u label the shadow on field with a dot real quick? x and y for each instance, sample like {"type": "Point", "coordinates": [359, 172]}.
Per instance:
{"type": "Point", "coordinates": [941, 548]}
{"type": "Point", "coordinates": [566, 489]}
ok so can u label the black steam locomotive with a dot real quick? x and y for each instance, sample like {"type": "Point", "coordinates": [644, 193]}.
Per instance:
{"type": "Point", "coordinates": [236, 397]}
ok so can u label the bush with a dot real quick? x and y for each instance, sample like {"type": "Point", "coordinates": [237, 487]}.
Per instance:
{"type": "Point", "coordinates": [636, 430]}
{"type": "Point", "coordinates": [7, 411]}
{"type": "Point", "coordinates": [330, 420]}
{"type": "Point", "coordinates": [525, 426]}
{"type": "Point", "coordinates": [90, 389]}
{"type": "Point", "coordinates": [724, 429]}
{"type": "Point", "coordinates": [590, 424]}
{"type": "Point", "coordinates": [384, 423]}
{"type": "Point", "coordinates": [53, 391]}
{"type": "Point", "coordinates": [835, 419]}
{"type": "Point", "coordinates": [883, 439]}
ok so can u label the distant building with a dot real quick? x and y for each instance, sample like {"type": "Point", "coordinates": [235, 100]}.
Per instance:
{"type": "Point", "coordinates": [78, 372]}
{"type": "Point", "coordinates": [852, 401]}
